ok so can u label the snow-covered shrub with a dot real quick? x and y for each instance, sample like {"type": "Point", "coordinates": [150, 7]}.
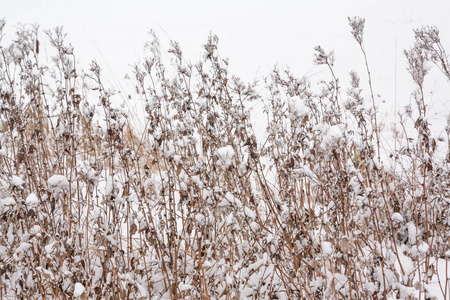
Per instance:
{"type": "Point", "coordinates": [195, 206]}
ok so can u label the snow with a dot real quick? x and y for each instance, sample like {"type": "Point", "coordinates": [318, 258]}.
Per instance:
{"type": "Point", "coordinates": [423, 247]}
{"type": "Point", "coordinates": [225, 155]}
{"type": "Point", "coordinates": [78, 290]}
{"type": "Point", "coordinates": [411, 273]}
{"type": "Point", "coordinates": [3, 251]}
{"type": "Point", "coordinates": [98, 273]}
{"type": "Point", "coordinates": [247, 292]}
{"type": "Point", "coordinates": [109, 187]}
{"type": "Point", "coordinates": [46, 273]}
{"type": "Point", "coordinates": [410, 254]}
{"type": "Point", "coordinates": [17, 181]}
{"type": "Point", "coordinates": [255, 226]}
{"type": "Point", "coordinates": [6, 203]}
{"type": "Point", "coordinates": [168, 149]}
{"type": "Point", "coordinates": [397, 217]}
{"type": "Point", "coordinates": [412, 233]}
{"type": "Point", "coordinates": [197, 181]}
{"type": "Point", "coordinates": [32, 200]}
{"type": "Point", "coordinates": [250, 213]}
{"type": "Point", "coordinates": [184, 287]}
{"type": "Point", "coordinates": [23, 248]}
{"type": "Point", "coordinates": [17, 53]}
{"type": "Point", "coordinates": [298, 108]}
{"type": "Point", "coordinates": [228, 200]}
{"type": "Point", "coordinates": [49, 247]}
{"type": "Point", "coordinates": [85, 169]}
{"type": "Point", "coordinates": [57, 183]}
{"type": "Point", "coordinates": [327, 248]}
{"type": "Point", "coordinates": [330, 135]}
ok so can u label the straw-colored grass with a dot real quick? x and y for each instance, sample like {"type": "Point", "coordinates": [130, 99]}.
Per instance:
{"type": "Point", "coordinates": [195, 207]}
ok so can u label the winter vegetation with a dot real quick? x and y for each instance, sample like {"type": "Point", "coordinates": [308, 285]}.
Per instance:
{"type": "Point", "coordinates": [193, 205]}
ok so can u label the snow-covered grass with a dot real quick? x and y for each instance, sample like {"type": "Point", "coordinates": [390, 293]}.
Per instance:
{"type": "Point", "coordinates": [196, 206]}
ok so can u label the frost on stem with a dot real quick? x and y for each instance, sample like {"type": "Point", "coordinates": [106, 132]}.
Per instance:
{"type": "Point", "coordinates": [323, 58]}
{"type": "Point", "coordinates": [427, 39]}
{"type": "Point", "coordinates": [210, 47]}
{"type": "Point", "coordinates": [2, 26]}
{"type": "Point", "coordinates": [416, 63]}
{"type": "Point", "coordinates": [196, 208]}
{"type": "Point", "coordinates": [357, 24]}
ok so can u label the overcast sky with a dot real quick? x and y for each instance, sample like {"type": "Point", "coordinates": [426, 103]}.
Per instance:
{"type": "Point", "coordinates": [255, 35]}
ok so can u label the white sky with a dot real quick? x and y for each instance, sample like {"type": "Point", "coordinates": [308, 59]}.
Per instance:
{"type": "Point", "coordinates": [255, 35]}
